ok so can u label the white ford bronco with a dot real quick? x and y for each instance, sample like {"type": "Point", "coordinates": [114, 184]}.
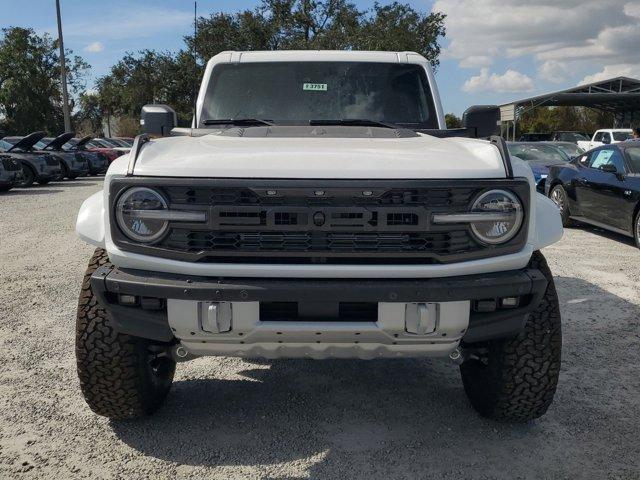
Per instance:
{"type": "Point", "coordinates": [319, 208]}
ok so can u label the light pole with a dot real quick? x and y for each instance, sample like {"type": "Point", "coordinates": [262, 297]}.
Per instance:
{"type": "Point", "coordinates": [63, 74]}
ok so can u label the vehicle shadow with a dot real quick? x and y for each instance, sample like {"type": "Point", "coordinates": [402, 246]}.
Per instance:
{"type": "Point", "coordinates": [605, 233]}
{"type": "Point", "coordinates": [31, 191]}
{"type": "Point", "coordinates": [404, 418]}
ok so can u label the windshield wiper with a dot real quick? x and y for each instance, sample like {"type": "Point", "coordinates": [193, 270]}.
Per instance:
{"type": "Point", "coordinates": [354, 122]}
{"type": "Point", "coordinates": [238, 121]}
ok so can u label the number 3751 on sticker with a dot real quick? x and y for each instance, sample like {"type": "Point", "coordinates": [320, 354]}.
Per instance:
{"type": "Point", "coordinates": [316, 87]}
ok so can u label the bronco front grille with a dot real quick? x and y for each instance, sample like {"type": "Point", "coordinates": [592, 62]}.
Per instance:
{"type": "Point", "coordinates": [321, 221]}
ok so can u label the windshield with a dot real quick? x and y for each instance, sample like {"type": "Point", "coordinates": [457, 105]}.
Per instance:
{"type": "Point", "coordinates": [537, 152]}
{"type": "Point", "coordinates": [621, 136]}
{"type": "Point", "coordinates": [570, 149]}
{"type": "Point", "coordinates": [293, 93]}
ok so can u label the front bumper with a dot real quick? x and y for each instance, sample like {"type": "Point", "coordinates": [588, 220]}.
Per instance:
{"type": "Point", "coordinates": [166, 309]}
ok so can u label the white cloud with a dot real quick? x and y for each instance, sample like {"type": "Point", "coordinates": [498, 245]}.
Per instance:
{"type": "Point", "coordinates": [611, 71]}
{"type": "Point", "coordinates": [553, 71]}
{"type": "Point", "coordinates": [562, 37]}
{"type": "Point", "coordinates": [94, 47]}
{"type": "Point", "coordinates": [510, 81]}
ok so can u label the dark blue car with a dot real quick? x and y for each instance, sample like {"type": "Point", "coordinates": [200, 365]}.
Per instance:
{"type": "Point", "coordinates": [540, 156]}
{"type": "Point", "coordinates": [600, 187]}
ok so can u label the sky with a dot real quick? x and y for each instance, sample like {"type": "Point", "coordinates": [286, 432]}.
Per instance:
{"type": "Point", "coordinates": [494, 51]}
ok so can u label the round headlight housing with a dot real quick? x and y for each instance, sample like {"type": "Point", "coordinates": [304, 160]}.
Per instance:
{"type": "Point", "coordinates": [504, 217]}
{"type": "Point", "coordinates": [137, 212]}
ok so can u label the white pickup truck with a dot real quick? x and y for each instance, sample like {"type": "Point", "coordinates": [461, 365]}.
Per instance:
{"type": "Point", "coordinates": [318, 208]}
{"type": "Point", "coordinates": [605, 137]}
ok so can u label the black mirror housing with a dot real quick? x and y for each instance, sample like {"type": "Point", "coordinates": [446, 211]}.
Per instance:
{"type": "Point", "coordinates": [482, 120]}
{"type": "Point", "coordinates": [158, 120]}
{"type": "Point", "coordinates": [609, 168]}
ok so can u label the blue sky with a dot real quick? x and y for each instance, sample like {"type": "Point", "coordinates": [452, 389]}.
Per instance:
{"type": "Point", "coordinates": [495, 50]}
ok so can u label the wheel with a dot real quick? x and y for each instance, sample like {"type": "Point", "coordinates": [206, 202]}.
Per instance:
{"type": "Point", "coordinates": [120, 375]}
{"type": "Point", "coordinates": [636, 229]}
{"type": "Point", "coordinates": [28, 177]}
{"type": "Point", "coordinates": [43, 182]}
{"type": "Point", "coordinates": [558, 195]}
{"type": "Point", "coordinates": [5, 189]}
{"type": "Point", "coordinates": [72, 176]}
{"type": "Point", "coordinates": [514, 379]}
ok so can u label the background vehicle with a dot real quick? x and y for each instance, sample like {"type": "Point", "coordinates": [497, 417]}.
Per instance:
{"type": "Point", "coordinates": [110, 151]}
{"type": "Point", "coordinates": [10, 172]}
{"type": "Point", "coordinates": [569, 136]}
{"type": "Point", "coordinates": [606, 137]}
{"type": "Point", "coordinates": [571, 149]}
{"type": "Point", "coordinates": [36, 166]}
{"type": "Point", "coordinates": [601, 187]}
{"type": "Point", "coordinates": [73, 164]}
{"type": "Point", "coordinates": [535, 137]}
{"type": "Point", "coordinates": [540, 156]}
{"type": "Point", "coordinates": [341, 227]}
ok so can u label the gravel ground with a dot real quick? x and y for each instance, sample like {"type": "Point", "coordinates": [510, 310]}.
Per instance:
{"type": "Point", "coordinates": [229, 418]}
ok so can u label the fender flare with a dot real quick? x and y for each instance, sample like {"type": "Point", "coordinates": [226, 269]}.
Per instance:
{"type": "Point", "coordinates": [91, 220]}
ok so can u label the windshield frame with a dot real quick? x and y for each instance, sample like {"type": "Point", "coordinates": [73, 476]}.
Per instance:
{"type": "Point", "coordinates": [429, 93]}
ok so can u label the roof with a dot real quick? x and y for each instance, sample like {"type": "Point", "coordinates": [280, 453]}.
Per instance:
{"type": "Point", "coordinates": [619, 94]}
{"type": "Point", "coordinates": [316, 55]}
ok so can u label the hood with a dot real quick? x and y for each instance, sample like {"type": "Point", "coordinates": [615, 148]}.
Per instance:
{"type": "Point", "coordinates": [25, 143]}
{"type": "Point", "coordinates": [59, 141]}
{"type": "Point", "coordinates": [226, 154]}
{"type": "Point", "coordinates": [82, 142]}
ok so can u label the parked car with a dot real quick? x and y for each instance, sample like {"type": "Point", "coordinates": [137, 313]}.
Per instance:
{"type": "Point", "coordinates": [535, 137]}
{"type": "Point", "coordinates": [107, 149]}
{"type": "Point", "coordinates": [73, 164]}
{"type": "Point", "coordinates": [601, 188]}
{"type": "Point", "coordinates": [570, 148]}
{"type": "Point", "coordinates": [540, 156]}
{"type": "Point", "coordinates": [10, 172]}
{"type": "Point", "coordinates": [40, 167]}
{"type": "Point", "coordinates": [318, 235]}
{"type": "Point", "coordinates": [569, 136]}
{"type": "Point", "coordinates": [606, 136]}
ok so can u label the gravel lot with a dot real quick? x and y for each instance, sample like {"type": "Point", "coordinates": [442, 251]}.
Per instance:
{"type": "Point", "coordinates": [228, 418]}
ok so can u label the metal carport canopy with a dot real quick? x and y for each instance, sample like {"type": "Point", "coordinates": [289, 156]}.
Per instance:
{"type": "Point", "coordinates": [618, 95]}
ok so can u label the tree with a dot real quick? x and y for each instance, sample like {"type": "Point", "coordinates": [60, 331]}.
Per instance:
{"type": "Point", "coordinates": [452, 121]}
{"type": "Point", "coordinates": [550, 119]}
{"type": "Point", "coordinates": [30, 90]}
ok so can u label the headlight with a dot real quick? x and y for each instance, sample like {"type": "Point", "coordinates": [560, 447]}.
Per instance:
{"type": "Point", "coordinates": [139, 212]}
{"type": "Point", "coordinates": [504, 216]}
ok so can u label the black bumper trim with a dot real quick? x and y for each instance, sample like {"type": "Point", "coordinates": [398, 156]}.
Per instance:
{"type": "Point", "coordinates": [527, 283]}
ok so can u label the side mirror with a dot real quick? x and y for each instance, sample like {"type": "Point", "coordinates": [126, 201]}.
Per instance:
{"type": "Point", "coordinates": [482, 120]}
{"type": "Point", "coordinates": [609, 168]}
{"type": "Point", "coordinates": [158, 120]}
{"type": "Point", "coordinates": [606, 140]}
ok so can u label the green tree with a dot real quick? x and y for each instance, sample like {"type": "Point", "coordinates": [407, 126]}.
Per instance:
{"type": "Point", "coordinates": [452, 121]}
{"type": "Point", "coordinates": [550, 119]}
{"type": "Point", "coordinates": [30, 90]}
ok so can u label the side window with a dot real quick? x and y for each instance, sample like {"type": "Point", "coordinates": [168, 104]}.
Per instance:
{"type": "Point", "coordinates": [607, 156]}
{"type": "Point", "coordinates": [607, 137]}
{"type": "Point", "coordinates": [598, 136]}
{"type": "Point", "coordinates": [633, 154]}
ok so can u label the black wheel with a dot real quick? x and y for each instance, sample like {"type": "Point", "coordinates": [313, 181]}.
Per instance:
{"type": "Point", "coordinates": [636, 229]}
{"type": "Point", "coordinates": [43, 182]}
{"type": "Point", "coordinates": [121, 376]}
{"type": "Point", "coordinates": [5, 189]}
{"type": "Point", "coordinates": [558, 195]}
{"type": "Point", "coordinates": [514, 379]}
{"type": "Point", "coordinates": [72, 176]}
{"type": "Point", "coordinates": [28, 177]}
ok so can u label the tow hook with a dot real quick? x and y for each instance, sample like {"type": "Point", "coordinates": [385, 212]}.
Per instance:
{"type": "Point", "coordinates": [457, 356]}
{"type": "Point", "coordinates": [181, 354]}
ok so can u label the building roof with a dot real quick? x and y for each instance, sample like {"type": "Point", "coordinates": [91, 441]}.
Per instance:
{"type": "Point", "coordinates": [619, 94]}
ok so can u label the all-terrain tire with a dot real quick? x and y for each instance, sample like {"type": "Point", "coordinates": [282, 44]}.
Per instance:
{"type": "Point", "coordinates": [558, 195]}
{"type": "Point", "coordinates": [120, 376]}
{"type": "Point", "coordinates": [514, 379]}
